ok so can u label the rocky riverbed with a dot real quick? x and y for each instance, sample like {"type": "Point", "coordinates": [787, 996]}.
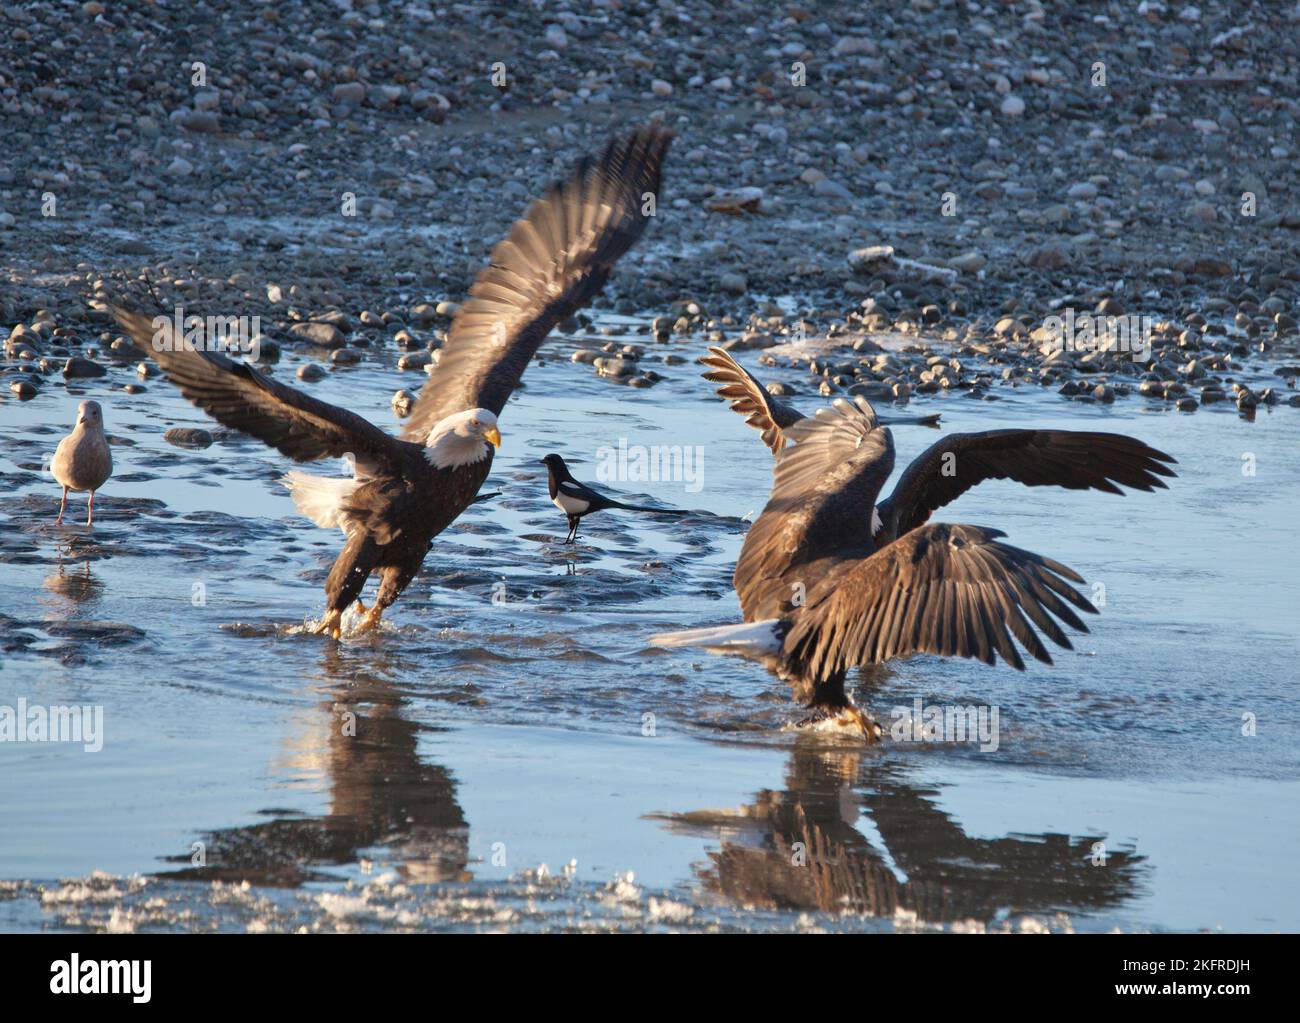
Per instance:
{"type": "Point", "coordinates": [304, 159]}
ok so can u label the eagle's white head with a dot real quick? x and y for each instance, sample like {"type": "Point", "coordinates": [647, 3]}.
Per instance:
{"type": "Point", "coordinates": [462, 438]}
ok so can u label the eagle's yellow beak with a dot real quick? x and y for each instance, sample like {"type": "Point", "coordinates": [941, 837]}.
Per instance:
{"type": "Point", "coordinates": [493, 436]}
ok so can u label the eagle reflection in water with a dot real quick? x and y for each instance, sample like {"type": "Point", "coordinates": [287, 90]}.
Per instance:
{"type": "Point", "coordinates": [801, 849]}
{"type": "Point", "coordinates": [381, 793]}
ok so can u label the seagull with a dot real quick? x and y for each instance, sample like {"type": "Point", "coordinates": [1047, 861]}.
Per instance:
{"type": "Point", "coordinates": [830, 577]}
{"type": "Point", "coordinates": [578, 500]}
{"type": "Point", "coordinates": [771, 417]}
{"type": "Point", "coordinates": [83, 461]}
{"type": "Point", "coordinates": [404, 492]}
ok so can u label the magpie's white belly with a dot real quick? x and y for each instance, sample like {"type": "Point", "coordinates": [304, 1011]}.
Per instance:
{"type": "Point", "coordinates": [570, 505]}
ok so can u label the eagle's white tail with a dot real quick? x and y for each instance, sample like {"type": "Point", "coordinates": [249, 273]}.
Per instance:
{"type": "Point", "coordinates": [320, 498]}
{"type": "Point", "coordinates": [749, 639]}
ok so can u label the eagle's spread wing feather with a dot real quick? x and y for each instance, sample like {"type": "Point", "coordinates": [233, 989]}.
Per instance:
{"type": "Point", "coordinates": [749, 397]}
{"type": "Point", "coordinates": [239, 396]}
{"type": "Point", "coordinates": [1075, 460]}
{"type": "Point", "coordinates": [952, 590]}
{"type": "Point", "coordinates": [553, 262]}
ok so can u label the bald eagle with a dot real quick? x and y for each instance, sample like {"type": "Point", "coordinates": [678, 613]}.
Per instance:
{"type": "Point", "coordinates": [405, 491]}
{"type": "Point", "coordinates": [831, 577]}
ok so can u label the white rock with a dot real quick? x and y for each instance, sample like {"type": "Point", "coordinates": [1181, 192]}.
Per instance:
{"type": "Point", "coordinates": [1013, 106]}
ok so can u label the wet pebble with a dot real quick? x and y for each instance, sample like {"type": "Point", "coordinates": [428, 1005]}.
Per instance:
{"type": "Point", "coordinates": [403, 403]}
{"type": "Point", "coordinates": [188, 437]}
{"type": "Point", "coordinates": [77, 367]}
{"type": "Point", "coordinates": [326, 335]}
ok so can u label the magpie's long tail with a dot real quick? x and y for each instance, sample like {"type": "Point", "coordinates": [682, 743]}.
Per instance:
{"type": "Point", "coordinates": [643, 508]}
{"type": "Point", "coordinates": [932, 419]}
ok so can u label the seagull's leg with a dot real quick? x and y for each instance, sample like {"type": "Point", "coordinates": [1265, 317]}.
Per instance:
{"type": "Point", "coordinates": [62, 504]}
{"type": "Point", "coordinates": [90, 509]}
{"type": "Point", "coordinates": [573, 530]}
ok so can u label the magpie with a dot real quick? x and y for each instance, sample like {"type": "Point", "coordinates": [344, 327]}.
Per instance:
{"type": "Point", "coordinates": [577, 499]}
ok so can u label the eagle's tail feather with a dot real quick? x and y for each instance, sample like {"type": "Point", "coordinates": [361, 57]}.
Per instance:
{"type": "Point", "coordinates": [749, 639]}
{"type": "Point", "coordinates": [320, 498]}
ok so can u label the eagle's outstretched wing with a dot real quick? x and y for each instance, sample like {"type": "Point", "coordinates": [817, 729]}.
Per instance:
{"type": "Point", "coordinates": [238, 395]}
{"type": "Point", "coordinates": [1072, 459]}
{"type": "Point", "coordinates": [952, 590]}
{"type": "Point", "coordinates": [749, 397]}
{"type": "Point", "coordinates": [553, 262]}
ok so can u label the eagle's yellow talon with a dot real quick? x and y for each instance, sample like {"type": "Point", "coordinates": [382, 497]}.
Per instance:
{"type": "Point", "coordinates": [331, 625]}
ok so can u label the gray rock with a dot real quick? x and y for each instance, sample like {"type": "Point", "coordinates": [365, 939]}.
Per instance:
{"type": "Point", "coordinates": [733, 283]}
{"type": "Point", "coordinates": [326, 335]}
{"type": "Point", "coordinates": [414, 360]}
{"type": "Point", "coordinates": [616, 367]}
{"type": "Point", "coordinates": [353, 93]}
{"type": "Point", "coordinates": [969, 262]}
{"type": "Point", "coordinates": [403, 403]}
{"type": "Point", "coordinates": [77, 367]}
{"type": "Point", "coordinates": [829, 189]}
{"type": "Point", "coordinates": [188, 437]}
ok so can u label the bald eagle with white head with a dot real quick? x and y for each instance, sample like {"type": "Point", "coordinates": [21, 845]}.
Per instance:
{"type": "Point", "coordinates": [406, 491]}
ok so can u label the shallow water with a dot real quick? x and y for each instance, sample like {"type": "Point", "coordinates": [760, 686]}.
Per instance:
{"type": "Point", "coordinates": [511, 714]}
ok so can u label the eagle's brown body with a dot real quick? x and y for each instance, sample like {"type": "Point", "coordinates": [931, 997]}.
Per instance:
{"type": "Point", "coordinates": [395, 521]}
